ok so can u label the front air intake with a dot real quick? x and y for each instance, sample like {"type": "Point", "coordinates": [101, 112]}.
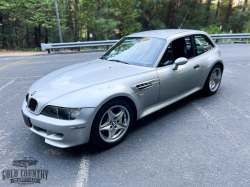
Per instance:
{"type": "Point", "coordinates": [32, 104]}
{"type": "Point", "coordinates": [27, 97]}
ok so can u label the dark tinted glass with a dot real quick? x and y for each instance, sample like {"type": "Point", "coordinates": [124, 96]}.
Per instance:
{"type": "Point", "coordinates": [167, 58]}
{"type": "Point", "coordinates": [189, 46]}
{"type": "Point", "coordinates": [181, 47]}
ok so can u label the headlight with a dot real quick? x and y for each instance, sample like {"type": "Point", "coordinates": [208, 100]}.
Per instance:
{"type": "Point", "coordinates": [61, 113]}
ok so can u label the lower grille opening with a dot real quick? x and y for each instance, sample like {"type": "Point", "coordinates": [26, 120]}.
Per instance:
{"type": "Point", "coordinates": [54, 135]}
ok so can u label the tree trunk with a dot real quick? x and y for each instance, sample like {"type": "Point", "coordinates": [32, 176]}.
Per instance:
{"type": "Point", "coordinates": [167, 17]}
{"type": "Point", "coordinates": [87, 34]}
{"type": "Point", "coordinates": [229, 8]}
{"type": "Point", "coordinates": [217, 9]}
{"type": "Point", "coordinates": [27, 36]}
{"type": "Point", "coordinates": [35, 36]}
{"type": "Point", "coordinates": [46, 36]}
{"type": "Point", "coordinates": [173, 21]}
{"type": "Point", "coordinates": [242, 17]}
{"type": "Point", "coordinates": [76, 10]}
{"type": "Point", "coordinates": [2, 32]}
{"type": "Point", "coordinates": [39, 35]}
{"type": "Point", "coordinates": [207, 12]}
{"type": "Point", "coordinates": [16, 37]}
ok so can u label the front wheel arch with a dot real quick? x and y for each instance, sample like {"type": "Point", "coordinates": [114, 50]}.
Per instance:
{"type": "Point", "coordinates": [127, 99]}
{"type": "Point", "coordinates": [95, 131]}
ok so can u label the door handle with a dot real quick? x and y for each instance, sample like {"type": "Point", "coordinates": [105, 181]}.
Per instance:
{"type": "Point", "coordinates": [196, 66]}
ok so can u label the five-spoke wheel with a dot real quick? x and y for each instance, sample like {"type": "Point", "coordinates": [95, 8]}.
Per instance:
{"type": "Point", "coordinates": [112, 123]}
{"type": "Point", "coordinates": [213, 80]}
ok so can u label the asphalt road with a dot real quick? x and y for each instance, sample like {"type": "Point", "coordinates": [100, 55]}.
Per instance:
{"type": "Point", "coordinates": [198, 141]}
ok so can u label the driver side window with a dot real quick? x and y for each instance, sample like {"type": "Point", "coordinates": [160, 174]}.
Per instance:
{"type": "Point", "coordinates": [181, 47]}
{"type": "Point", "coordinates": [167, 58]}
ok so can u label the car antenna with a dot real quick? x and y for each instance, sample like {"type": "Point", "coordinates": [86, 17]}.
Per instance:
{"type": "Point", "coordinates": [184, 20]}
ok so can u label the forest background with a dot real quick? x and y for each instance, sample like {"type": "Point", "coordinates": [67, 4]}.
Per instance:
{"type": "Point", "coordinates": [25, 24]}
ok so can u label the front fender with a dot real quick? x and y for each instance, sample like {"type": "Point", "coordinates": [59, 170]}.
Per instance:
{"type": "Point", "coordinates": [99, 94]}
{"type": "Point", "coordinates": [93, 96]}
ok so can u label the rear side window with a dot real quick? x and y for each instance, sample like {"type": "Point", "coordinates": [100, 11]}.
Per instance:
{"type": "Point", "coordinates": [203, 44]}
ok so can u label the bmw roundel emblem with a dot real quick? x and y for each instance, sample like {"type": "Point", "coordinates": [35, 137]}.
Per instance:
{"type": "Point", "coordinates": [33, 93]}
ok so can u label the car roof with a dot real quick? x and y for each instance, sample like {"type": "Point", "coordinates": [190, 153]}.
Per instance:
{"type": "Point", "coordinates": [163, 33]}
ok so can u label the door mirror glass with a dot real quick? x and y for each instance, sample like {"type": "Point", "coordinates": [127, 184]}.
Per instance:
{"type": "Point", "coordinates": [179, 61]}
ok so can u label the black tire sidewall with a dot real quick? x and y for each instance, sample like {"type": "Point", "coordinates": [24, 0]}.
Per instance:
{"type": "Point", "coordinates": [95, 135]}
{"type": "Point", "coordinates": [206, 88]}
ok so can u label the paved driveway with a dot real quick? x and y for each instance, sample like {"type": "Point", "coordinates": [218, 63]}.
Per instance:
{"type": "Point", "coordinates": [199, 141]}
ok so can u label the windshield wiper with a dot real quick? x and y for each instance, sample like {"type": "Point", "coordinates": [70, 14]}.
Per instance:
{"type": "Point", "coordinates": [118, 61]}
{"type": "Point", "coordinates": [104, 57]}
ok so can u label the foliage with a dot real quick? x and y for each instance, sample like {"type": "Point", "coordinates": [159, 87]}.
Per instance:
{"type": "Point", "coordinates": [25, 24]}
{"type": "Point", "coordinates": [211, 29]}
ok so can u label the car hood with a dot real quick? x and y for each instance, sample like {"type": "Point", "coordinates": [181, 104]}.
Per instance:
{"type": "Point", "coordinates": [79, 76]}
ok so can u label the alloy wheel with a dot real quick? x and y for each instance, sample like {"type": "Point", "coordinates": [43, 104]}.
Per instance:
{"type": "Point", "coordinates": [215, 79]}
{"type": "Point", "coordinates": [114, 123]}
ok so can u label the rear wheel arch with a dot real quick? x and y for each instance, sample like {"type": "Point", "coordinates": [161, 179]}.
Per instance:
{"type": "Point", "coordinates": [216, 63]}
{"type": "Point", "coordinates": [220, 64]}
{"type": "Point", "coordinates": [206, 87]}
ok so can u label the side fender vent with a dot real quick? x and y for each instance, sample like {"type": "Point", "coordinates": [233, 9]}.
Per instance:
{"type": "Point", "coordinates": [145, 85]}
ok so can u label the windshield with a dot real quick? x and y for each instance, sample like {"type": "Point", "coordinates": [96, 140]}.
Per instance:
{"type": "Point", "coordinates": [136, 51]}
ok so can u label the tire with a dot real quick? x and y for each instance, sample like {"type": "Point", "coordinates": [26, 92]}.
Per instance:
{"type": "Point", "coordinates": [112, 123]}
{"type": "Point", "coordinates": [213, 81]}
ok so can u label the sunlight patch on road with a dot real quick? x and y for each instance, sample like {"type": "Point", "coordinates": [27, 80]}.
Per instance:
{"type": "Point", "coordinates": [6, 85]}
{"type": "Point", "coordinates": [25, 77]}
{"type": "Point", "coordinates": [14, 63]}
{"type": "Point", "coordinates": [82, 176]}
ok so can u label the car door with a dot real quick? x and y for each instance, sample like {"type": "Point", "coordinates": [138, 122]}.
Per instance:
{"type": "Point", "coordinates": [185, 78]}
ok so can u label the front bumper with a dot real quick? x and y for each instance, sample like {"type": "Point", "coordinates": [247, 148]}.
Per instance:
{"type": "Point", "coordinates": [61, 133]}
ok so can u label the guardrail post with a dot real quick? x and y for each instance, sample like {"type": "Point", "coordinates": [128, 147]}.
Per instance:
{"type": "Point", "coordinates": [216, 40]}
{"type": "Point", "coordinates": [230, 40]}
{"type": "Point", "coordinates": [48, 50]}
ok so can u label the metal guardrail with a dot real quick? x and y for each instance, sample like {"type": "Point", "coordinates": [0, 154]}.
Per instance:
{"type": "Point", "coordinates": [77, 44]}
{"type": "Point", "coordinates": [112, 42]}
{"type": "Point", "coordinates": [230, 36]}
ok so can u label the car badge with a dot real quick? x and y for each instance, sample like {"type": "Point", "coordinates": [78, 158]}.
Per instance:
{"type": "Point", "coordinates": [33, 93]}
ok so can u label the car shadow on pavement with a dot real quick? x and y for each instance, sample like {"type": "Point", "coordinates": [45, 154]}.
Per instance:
{"type": "Point", "coordinates": [92, 149]}
{"type": "Point", "coordinates": [167, 111]}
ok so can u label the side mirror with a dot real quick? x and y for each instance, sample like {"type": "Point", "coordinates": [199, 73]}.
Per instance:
{"type": "Point", "coordinates": [179, 61]}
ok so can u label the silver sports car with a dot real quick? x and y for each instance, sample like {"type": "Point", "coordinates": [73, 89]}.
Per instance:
{"type": "Point", "coordinates": [100, 99]}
